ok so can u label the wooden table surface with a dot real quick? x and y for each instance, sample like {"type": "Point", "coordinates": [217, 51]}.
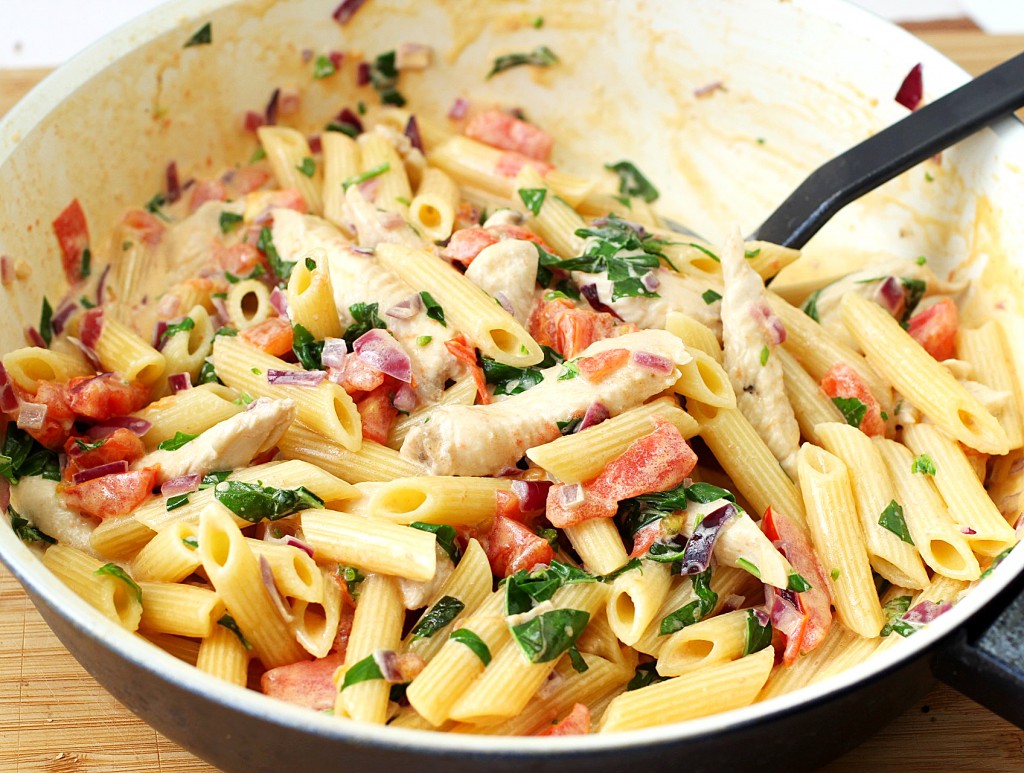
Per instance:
{"type": "Point", "coordinates": [55, 718]}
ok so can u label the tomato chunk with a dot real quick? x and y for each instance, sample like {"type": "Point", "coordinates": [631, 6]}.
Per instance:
{"type": "Point", "coordinates": [511, 162]}
{"type": "Point", "coordinates": [356, 375]}
{"type": "Point", "coordinates": [121, 444]}
{"type": "Point", "coordinates": [935, 329]}
{"type": "Point", "coordinates": [105, 396]}
{"type": "Point", "coordinates": [842, 381]}
{"type": "Point", "coordinates": [569, 330]}
{"type": "Point", "coordinates": [111, 495]}
{"type": "Point", "coordinates": [308, 683]}
{"type": "Point", "coordinates": [601, 365]}
{"type": "Point", "coordinates": [273, 335]}
{"type": "Point", "coordinates": [73, 237]}
{"type": "Point", "coordinates": [510, 546]}
{"type": "Point", "coordinates": [461, 350]}
{"type": "Point", "coordinates": [503, 130]}
{"type": "Point", "coordinates": [467, 243]}
{"type": "Point", "coordinates": [60, 417]}
{"type": "Point", "coordinates": [655, 462]}
{"type": "Point", "coordinates": [576, 722]}
{"type": "Point", "coordinates": [207, 190]}
{"type": "Point", "coordinates": [377, 413]}
{"type": "Point", "coordinates": [148, 228]}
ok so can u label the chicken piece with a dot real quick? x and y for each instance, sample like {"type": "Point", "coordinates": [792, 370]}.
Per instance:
{"type": "Point", "coordinates": [750, 330]}
{"type": "Point", "coordinates": [507, 271]}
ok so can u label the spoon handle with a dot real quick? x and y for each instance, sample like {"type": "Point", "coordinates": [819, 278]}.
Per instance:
{"type": "Point", "coordinates": [894, 150]}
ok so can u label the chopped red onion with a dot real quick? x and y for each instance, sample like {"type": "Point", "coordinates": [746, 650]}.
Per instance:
{"type": "Point", "coordinates": [967, 530]}
{"type": "Point", "coordinates": [253, 121]}
{"type": "Point", "coordinates": [504, 302]}
{"type": "Point", "coordinates": [270, 112]}
{"type": "Point", "coordinates": [654, 362]}
{"type": "Point", "coordinates": [911, 91]}
{"type": "Point", "coordinates": [35, 338]}
{"type": "Point", "coordinates": [412, 131]}
{"type": "Point", "coordinates": [173, 183]}
{"type": "Point", "coordinates": [61, 316]}
{"type": "Point", "coordinates": [925, 612]}
{"type": "Point", "coordinates": [92, 325]}
{"type": "Point", "coordinates": [708, 89]}
{"type": "Point", "coordinates": [6, 269]}
{"type": "Point", "coordinates": [279, 301]}
{"type": "Point", "coordinates": [697, 553]}
{"type": "Point", "coordinates": [346, 10]}
{"type": "Point", "coordinates": [570, 495]}
{"type": "Point", "coordinates": [32, 415]}
{"type": "Point", "coordinates": [186, 484]}
{"type": "Point", "coordinates": [8, 398]}
{"type": "Point", "coordinates": [336, 57]}
{"type": "Point", "coordinates": [532, 494]}
{"type": "Point", "coordinates": [890, 296]}
{"type": "Point", "coordinates": [267, 575]}
{"type": "Point", "coordinates": [378, 349]}
{"type": "Point", "coordinates": [590, 293]}
{"type": "Point", "coordinates": [303, 378]}
{"type": "Point", "coordinates": [650, 281]}
{"type": "Point", "coordinates": [770, 323]}
{"type": "Point", "coordinates": [334, 352]}
{"type": "Point", "coordinates": [406, 309]}
{"type": "Point", "coordinates": [179, 382]}
{"type": "Point", "coordinates": [596, 413]}
{"type": "Point", "coordinates": [347, 116]}
{"type": "Point", "coordinates": [101, 286]}
{"type": "Point", "coordinates": [316, 145]}
{"type": "Point", "coordinates": [363, 74]}
{"type": "Point", "coordinates": [111, 468]}
{"type": "Point", "coordinates": [134, 424]}
{"type": "Point", "coordinates": [307, 55]}
{"type": "Point", "coordinates": [405, 399]}
{"type": "Point", "coordinates": [88, 353]}
{"type": "Point", "coordinates": [458, 109]}
{"type": "Point", "coordinates": [289, 101]}
{"type": "Point", "coordinates": [369, 190]}
{"type": "Point", "coordinates": [387, 662]}
{"type": "Point", "coordinates": [762, 617]}
{"type": "Point", "coordinates": [289, 541]}
{"type": "Point", "coordinates": [360, 250]}
{"type": "Point", "coordinates": [158, 334]}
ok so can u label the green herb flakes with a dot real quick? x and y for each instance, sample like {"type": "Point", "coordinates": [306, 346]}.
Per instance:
{"type": "Point", "coordinates": [533, 199]}
{"type": "Point", "coordinates": [443, 612]}
{"type": "Point", "coordinates": [176, 442]}
{"type": "Point", "coordinates": [892, 518]}
{"type": "Point", "coordinates": [542, 56]}
{"type": "Point", "coordinates": [433, 308]}
{"type": "Point", "coordinates": [923, 465]}
{"type": "Point", "coordinates": [853, 410]}
{"type": "Point", "coordinates": [632, 182]}
{"type": "Point", "coordinates": [201, 37]}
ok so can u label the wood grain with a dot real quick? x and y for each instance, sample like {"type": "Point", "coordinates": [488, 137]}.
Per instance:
{"type": "Point", "coordinates": [54, 718]}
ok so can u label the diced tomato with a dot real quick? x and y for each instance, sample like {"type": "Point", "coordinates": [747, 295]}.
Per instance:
{"type": "Point", "coordinates": [148, 228]}
{"type": "Point", "coordinates": [507, 506]}
{"type": "Point", "coordinates": [248, 179]}
{"type": "Point", "coordinates": [378, 414]}
{"type": "Point", "coordinates": [308, 683]}
{"type": "Point", "coordinates": [239, 259]}
{"type": "Point", "coordinates": [795, 545]}
{"type": "Point", "coordinates": [601, 365]}
{"type": "Point", "coordinates": [73, 237]}
{"type": "Point", "coordinates": [60, 417]}
{"type": "Point", "coordinates": [121, 444]}
{"type": "Point", "coordinates": [502, 130]}
{"type": "Point", "coordinates": [511, 546]}
{"type": "Point", "coordinates": [467, 216]}
{"type": "Point", "coordinates": [510, 164]}
{"type": "Point", "coordinates": [461, 350]}
{"type": "Point", "coordinates": [111, 495]}
{"type": "Point", "coordinates": [935, 329]}
{"type": "Point", "coordinates": [644, 538]}
{"type": "Point", "coordinates": [568, 330]}
{"type": "Point", "coordinates": [355, 375]}
{"type": "Point", "coordinates": [655, 462]}
{"type": "Point", "coordinates": [106, 395]}
{"type": "Point", "coordinates": [576, 722]}
{"type": "Point", "coordinates": [467, 243]}
{"type": "Point", "coordinates": [842, 381]}
{"type": "Point", "coordinates": [207, 190]}
{"type": "Point", "coordinates": [273, 336]}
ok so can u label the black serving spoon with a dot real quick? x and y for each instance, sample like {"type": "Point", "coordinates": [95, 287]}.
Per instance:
{"type": "Point", "coordinates": [894, 150]}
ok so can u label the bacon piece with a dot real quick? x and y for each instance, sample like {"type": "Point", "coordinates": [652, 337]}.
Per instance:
{"type": "Point", "coordinates": [147, 227]}
{"type": "Point", "coordinates": [842, 381]}
{"type": "Point", "coordinates": [121, 444]}
{"type": "Point", "coordinates": [510, 164]}
{"type": "Point", "coordinates": [73, 237]}
{"type": "Point", "coordinates": [111, 495]}
{"type": "Point", "coordinates": [655, 462]}
{"type": "Point", "coordinates": [207, 190]}
{"type": "Point", "coordinates": [601, 365]}
{"type": "Point", "coordinates": [795, 545]}
{"type": "Point", "coordinates": [308, 683]}
{"type": "Point", "coordinates": [568, 330]}
{"type": "Point", "coordinates": [273, 336]}
{"type": "Point", "coordinates": [461, 350]}
{"type": "Point", "coordinates": [576, 722]}
{"type": "Point", "coordinates": [378, 414]}
{"type": "Point", "coordinates": [506, 132]}
{"type": "Point", "coordinates": [467, 243]}
{"type": "Point", "coordinates": [935, 329]}
{"type": "Point", "coordinates": [60, 417]}
{"type": "Point", "coordinates": [510, 546]}
{"type": "Point", "coordinates": [106, 395]}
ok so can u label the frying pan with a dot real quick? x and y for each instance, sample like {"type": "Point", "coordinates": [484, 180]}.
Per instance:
{"type": "Point", "coordinates": [793, 83]}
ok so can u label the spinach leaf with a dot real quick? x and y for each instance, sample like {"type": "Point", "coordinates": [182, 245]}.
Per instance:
{"type": "Point", "coordinates": [923, 465]}
{"type": "Point", "coordinates": [853, 410]}
{"type": "Point", "coordinates": [810, 306]}
{"type": "Point", "coordinates": [549, 635]}
{"type": "Point", "coordinates": [696, 610]}
{"type": "Point", "coordinates": [25, 530]}
{"type": "Point", "coordinates": [632, 182]}
{"type": "Point", "coordinates": [176, 442]}
{"type": "Point", "coordinates": [201, 37]}
{"type": "Point", "coordinates": [254, 503]}
{"type": "Point", "coordinates": [282, 268]}
{"type": "Point", "coordinates": [446, 537]}
{"type": "Point", "coordinates": [365, 319]}
{"type": "Point", "coordinates": [542, 56]}
{"type": "Point", "coordinates": [307, 349]}
{"type": "Point", "coordinates": [474, 642]}
{"type": "Point", "coordinates": [758, 633]}
{"type": "Point", "coordinates": [228, 222]}
{"type": "Point", "coordinates": [433, 308]}
{"type": "Point", "coordinates": [533, 198]}
{"type": "Point", "coordinates": [437, 617]}
{"type": "Point", "coordinates": [114, 570]}
{"type": "Point", "coordinates": [22, 457]}
{"type": "Point", "coordinates": [228, 622]}
{"type": "Point", "coordinates": [646, 674]}
{"type": "Point", "coordinates": [384, 78]}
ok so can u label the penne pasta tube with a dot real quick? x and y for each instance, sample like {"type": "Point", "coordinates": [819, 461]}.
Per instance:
{"type": "Point", "coordinates": [392, 190]}
{"type": "Point", "coordinates": [598, 544]}
{"type": "Point", "coordinates": [635, 598]}
{"type": "Point", "coordinates": [28, 366]}
{"type": "Point", "coordinates": [223, 654]}
{"type": "Point", "coordinates": [432, 211]}
{"type": "Point", "coordinates": [122, 350]}
{"type": "Point", "coordinates": [106, 592]}
{"type": "Point", "coordinates": [989, 354]}
{"type": "Point", "coordinates": [811, 405]}
{"type": "Point", "coordinates": [311, 298]}
{"type": "Point", "coordinates": [170, 556]}
{"type": "Point", "coordinates": [458, 501]}
{"type": "Point", "coordinates": [179, 646]}
{"type": "Point", "coordinates": [292, 163]}
{"type": "Point", "coordinates": [341, 162]}
{"type": "Point", "coordinates": [315, 624]}
{"type": "Point", "coordinates": [718, 639]}
{"type": "Point", "coordinates": [191, 411]}
{"type": "Point", "coordinates": [703, 379]}
{"type": "Point", "coordinates": [182, 610]}
{"type": "Point", "coordinates": [248, 303]}
{"type": "Point", "coordinates": [296, 574]}
{"type": "Point", "coordinates": [695, 335]}
{"type": "Point", "coordinates": [372, 462]}
{"type": "Point", "coordinates": [186, 351]}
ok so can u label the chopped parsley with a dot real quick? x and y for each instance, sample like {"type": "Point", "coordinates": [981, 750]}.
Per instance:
{"type": "Point", "coordinates": [894, 610]}
{"type": "Point", "coordinates": [173, 503]}
{"type": "Point", "coordinates": [834, 574]}
{"type": "Point", "coordinates": [996, 562]}
{"type": "Point", "coordinates": [710, 296]}
{"type": "Point", "coordinates": [632, 182]}
{"type": "Point", "coordinates": [369, 174]}
{"type": "Point", "coordinates": [155, 205]}
{"type": "Point", "coordinates": [533, 198]}
{"type": "Point", "coordinates": [83, 446]}
{"type": "Point", "coordinates": [542, 56]}
{"type": "Point", "coordinates": [86, 269]}
{"type": "Point", "coordinates": [46, 321]}
{"type": "Point", "coordinates": [749, 566]}
{"type": "Point", "coordinates": [384, 79]}
{"type": "Point", "coordinates": [257, 271]}
{"type": "Point", "coordinates": [201, 37]}
{"type": "Point", "coordinates": [307, 166]}
{"type": "Point", "coordinates": [924, 465]}
{"type": "Point", "coordinates": [176, 442]}
{"type": "Point", "coordinates": [797, 583]}
{"type": "Point", "coordinates": [765, 354]}
{"type": "Point", "coordinates": [853, 410]}
{"type": "Point", "coordinates": [351, 577]}
{"type": "Point", "coordinates": [423, 340]}
{"type": "Point", "coordinates": [323, 67]}
{"type": "Point", "coordinates": [892, 518]}
{"type": "Point", "coordinates": [179, 327]}
{"type": "Point", "coordinates": [282, 268]}
{"type": "Point", "coordinates": [570, 370]}
{"type": "Point", "coordinates": [229, 222]}
{"type": "Point", "coordinates": [433, 308]}
{"type": "Point", "coordinates": [190, 542]}
{"type": "Point", "coordinates": [254, 503]}
{"type": "Point", "coordinates": [310, 264]}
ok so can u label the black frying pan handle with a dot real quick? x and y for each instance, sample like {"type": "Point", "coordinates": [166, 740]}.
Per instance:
{"type": "Point", "coordinates": [894, 150]}
{"type": "Point", "coordinates": [984, 658]}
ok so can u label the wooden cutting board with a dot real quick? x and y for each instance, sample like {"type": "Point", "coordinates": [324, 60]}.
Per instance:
{"type": "Point", "coordinates": [55, 718]}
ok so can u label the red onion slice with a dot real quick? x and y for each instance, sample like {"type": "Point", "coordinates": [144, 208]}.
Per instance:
{"type": "Point", "coordinates": [178, 382]}
{"type": "Point", "coordinates": [111, 468]}
{"type": "Point", "coordinates": [363, 74]}
{"type": "Point", "coordinates": [303, 378]}
{"type": "Point", "coordinates": [316, 145]}
{"type": "Point", "coordinates": [967, 530]}
{"type": "Point", "coordinates": [186, 484]}
{"type": "Point", "coordinates": [458, 109]}
{"type": "Point", "coordinates": [334, 352]}
{"type": "Point", "coordinates": [697, 553]}
{"type": "Point", "coordinates": [279, 301]}
{"type": "Point", "coordinates": [570, 495]}
{"type": "Point", "coordinates": [596, 413]}
{"type": "Point", "coordinates": [925, 612]}
{"type": "Point", "coordinates": [405, 399]}
{"type": "Point", "coordinates": [387, 662]}
{"type": "Point", "coordinates": [91, 327]}
{"type": "Point", "coordinates": [378, 349]}
{"type": "Point", "coordinates": [292, 542]}
{"type": "Point", "coordinates": [61, 316]}
{"type": "Point", "coordinates": [346, 10]}
{"type": "Point", "coordinates": [532, 494]}
{"type": "Point", "coordinates": [252, 121]}
{"type": "Point", "coordinates": [890, 296]}
{"type": "Point", "coordinates": [650, 281]}
{"type": "Point", "coordinates": [32, 415]}
{"type": "Point", "coordinates": [267, 575]}
{"type": "Point", "coordinates": [336, 57]}
{"type": "Point", "coordinates": [911, 91]}
{"type": "Point", "coordinates": [101, 286]}
{"type": "Point", "coordinates": [347, 116]}
{"type": "Point", "coordinates": [708, 89]}
{"type": "Point", "coordinates": [8, 398]}
{"type": "Point", "coordinates": [35, 338]}
{"type": "Point", "coordinates": [134, 424]}
{"type": "Point", "coordinates": [270, 112]}
{"type": "Point", "coordinates": [173, 183]}
{"type": "Point", "coordinates": [504, 302]}
{"type": "Point", "coordinates": [412, 131]}
{"type": "Point", "coordinates": [654, 362]}
{"type": "Point", "coordinates": [590, 293]}
{"type": "Point", "coordinates": [406, 309]}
